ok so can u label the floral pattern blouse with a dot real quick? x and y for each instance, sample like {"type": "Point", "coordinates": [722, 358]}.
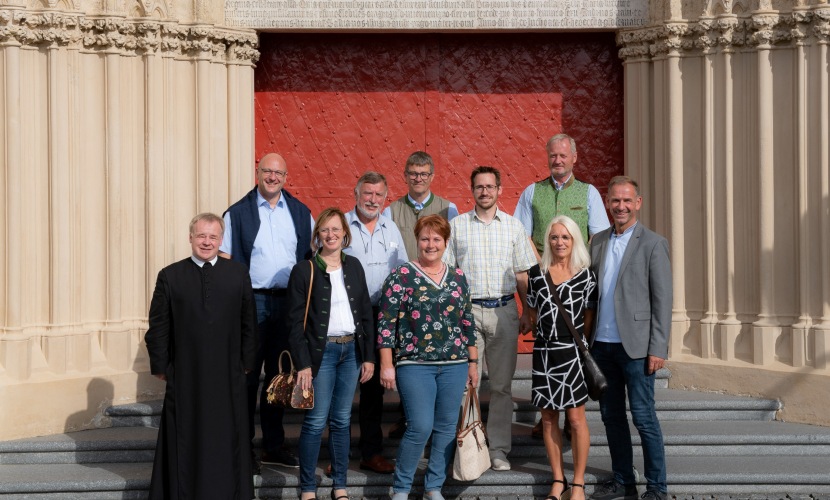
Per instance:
{"type": "Point", "coordinates": [424, 320]}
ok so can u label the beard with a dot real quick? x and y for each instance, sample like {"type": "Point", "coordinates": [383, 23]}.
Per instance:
{"type": "Point", "coordinates": [367, 214]}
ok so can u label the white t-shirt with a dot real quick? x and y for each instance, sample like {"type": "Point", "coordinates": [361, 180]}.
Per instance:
{"type": "Point", "coordinates": [341, 321]}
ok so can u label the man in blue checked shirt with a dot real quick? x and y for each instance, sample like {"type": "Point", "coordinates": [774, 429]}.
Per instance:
{"type": "Point", "coordinates": [377, 243]}
{"type": "Point", "coordinates": [493, 250]}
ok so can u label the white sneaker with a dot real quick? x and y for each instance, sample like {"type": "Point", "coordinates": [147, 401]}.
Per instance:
{"type": "Point", "coordinates": [501, 464]}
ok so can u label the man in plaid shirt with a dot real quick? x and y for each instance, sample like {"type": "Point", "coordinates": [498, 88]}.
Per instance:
{"type": "Point", "coordinates": [493, 250]}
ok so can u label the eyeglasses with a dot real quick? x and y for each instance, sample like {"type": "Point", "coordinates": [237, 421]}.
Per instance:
{"type": "Point", "coordinates": [488, 187]}
{"type": "Point", "coordinates": [332, 230]}
{"type": "Point", "coordinates": [419, 175]}
{"type": "Point", "coordinates": [268, 173]}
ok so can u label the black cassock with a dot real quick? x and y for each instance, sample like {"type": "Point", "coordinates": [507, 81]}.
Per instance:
{"type": "Point", "coordinates": [202, 336]}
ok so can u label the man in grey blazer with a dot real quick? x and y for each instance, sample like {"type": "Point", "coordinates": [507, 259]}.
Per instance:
{"type": "Point", "coordinates": [630, 340]}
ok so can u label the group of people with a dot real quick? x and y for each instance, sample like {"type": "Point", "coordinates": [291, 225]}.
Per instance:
{"type": "Point", "coordinates": [413, 298]}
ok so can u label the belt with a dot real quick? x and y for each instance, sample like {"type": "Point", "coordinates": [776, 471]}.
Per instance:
{"type": "Point", "coordinates": [490, 303]}
{"type": "Point", "coordinates": [341, 339]}
{"type": "Point", "coordinates": [274, 292]}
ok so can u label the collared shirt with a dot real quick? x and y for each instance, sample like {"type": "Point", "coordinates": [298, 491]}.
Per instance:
{"type": "Point", "coordinates": [490, 254]}
{"type": "Point", "coordinates": [607, 330]}
{"type": "Point", "coordinates": [452, 210]}
{"type": "Point", "coordinates": [199, 262]}
{"type": "Point", "coordinates": [379, 252]}
{"type": "Point", "coordinates": [597, 219]}
{"type": "Point", "coordinates": [274, 251]}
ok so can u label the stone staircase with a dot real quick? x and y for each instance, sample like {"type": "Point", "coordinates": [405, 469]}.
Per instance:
{"type": "Point", "coordinates": [716, 446]}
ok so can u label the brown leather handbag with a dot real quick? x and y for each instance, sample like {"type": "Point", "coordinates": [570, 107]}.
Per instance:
{"type": "Point", "coordinates": [283, 389]}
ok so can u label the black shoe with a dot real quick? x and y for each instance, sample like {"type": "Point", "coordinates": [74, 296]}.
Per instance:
{"type": "Point", "coordinates": [613, 490]}
{"type": "Point", "coordinates": [396, 432]}
{"type": "Point", "coordinates": [334, 497]}
{"type": "Point", "coordinates": [564, 482]}
{"type": "Point", "coordinates": [654, 495]}
{"type": "Point", "coordinates": [256, 467]}
{"type": "Point", "coordinates": [281, 457]}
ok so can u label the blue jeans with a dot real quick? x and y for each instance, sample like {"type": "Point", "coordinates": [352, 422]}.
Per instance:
{"type": "Point", "coordinates": [272, 339]}
{"type": "Point", "coordinates": [431, 396]}
{"type": "Point", "coordinates": [624, 373]}
{"type": "Point", "coordinates": [334, 389]}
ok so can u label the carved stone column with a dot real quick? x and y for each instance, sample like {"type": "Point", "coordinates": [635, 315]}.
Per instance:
{"type": "Point", "coordinates": [821, 330]}
{"type": "Point", "coordinates": [112, 140]}
{"type": "Point", "coordinates": [801, 329]}
{"type": "Point", "coordinates": [729, 326]}
{"type": "Point", "coordinates": [676, 205]}
{"type": "Point", "coordinates": [708, 322]}
{"type": "Point", "coordinates": [765, 328]}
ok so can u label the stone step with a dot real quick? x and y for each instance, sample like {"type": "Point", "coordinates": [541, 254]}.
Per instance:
{"type": "Point", "coordinates": [671, 404]}
{"type": "Point", "coordinates": [693, 438]}
{"type": "Point", "coordinates": [688, 477]}
{"type": "Point", "coordinates": [716, 445]}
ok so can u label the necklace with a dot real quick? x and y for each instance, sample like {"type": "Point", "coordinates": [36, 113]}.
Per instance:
{"type": "Point", "coordinates": [336, 264]}
{"type": "Point", "coordinates": [437, 273]}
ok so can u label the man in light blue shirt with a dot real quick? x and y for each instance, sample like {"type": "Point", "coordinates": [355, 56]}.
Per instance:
{"type": "Point", "coordinates": [560, 194]}
{"type": "Point", "coordinates": [378, 244]}
{"type": "Point", "coordinates": [631, 340]}
{"type": "Point", "coordinates": [579, 201]}
{"type": "Point", "coordinates": [268, 231]}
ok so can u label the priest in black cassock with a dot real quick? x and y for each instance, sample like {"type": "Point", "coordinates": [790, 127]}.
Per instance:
{"type": "Point", "coordinates": [202, 341]}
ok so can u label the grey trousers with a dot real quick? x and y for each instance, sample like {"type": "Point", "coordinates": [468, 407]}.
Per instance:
{"type": "Point", "coordinates": [497, 330]}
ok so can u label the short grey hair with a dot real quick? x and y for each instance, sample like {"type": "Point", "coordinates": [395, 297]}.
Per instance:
{"type": "Point", "coordinates": [420, 158]}
{"type": "Point", "coordinates": [209, 217]}
{"type": "Point", "coordinates": [561, 137]}
{"type": "Point", "coordinates": [370, 177]}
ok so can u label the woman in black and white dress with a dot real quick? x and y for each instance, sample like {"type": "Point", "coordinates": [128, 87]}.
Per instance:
{"type": "Point", "coordinates": [558, 383]}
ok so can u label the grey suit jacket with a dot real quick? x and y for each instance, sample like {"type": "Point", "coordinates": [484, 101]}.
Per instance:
{"type": "Point", "coordinates": [643, 293]}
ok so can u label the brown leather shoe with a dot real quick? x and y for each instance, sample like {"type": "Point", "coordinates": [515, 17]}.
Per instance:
{"type": "Point", "coordinates": [378, 464]}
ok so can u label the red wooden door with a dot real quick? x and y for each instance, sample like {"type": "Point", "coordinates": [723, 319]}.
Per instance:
{"type": "Point", "coordinates": [337, 105]}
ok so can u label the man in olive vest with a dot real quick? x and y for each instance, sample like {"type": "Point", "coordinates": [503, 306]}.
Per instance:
{"type": "Point", "coordinates": [560, 194]}
{"type": "Point", "coordinates": [405, 212]}
{"type": "Point", "coordinates": [419, 201]}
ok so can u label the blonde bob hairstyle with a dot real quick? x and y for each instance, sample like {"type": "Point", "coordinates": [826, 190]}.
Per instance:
{"type": "Point", "coordinates": [324, 217]}
{"type": "Point", "coordinates": [580, 258]}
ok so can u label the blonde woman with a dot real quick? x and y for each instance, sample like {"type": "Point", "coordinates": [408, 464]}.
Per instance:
{"type": "Point", "coordinates": [558, 382]}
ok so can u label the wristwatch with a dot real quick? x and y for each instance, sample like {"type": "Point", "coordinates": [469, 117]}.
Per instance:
{"type": "Point", "coordinates": [472, 360]}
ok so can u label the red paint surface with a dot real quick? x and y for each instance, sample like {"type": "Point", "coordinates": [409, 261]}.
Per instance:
{"type": "Point", "coordinates": [337, 105]}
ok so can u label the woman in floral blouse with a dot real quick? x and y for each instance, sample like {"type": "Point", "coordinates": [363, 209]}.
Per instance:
{"type": "Point", "coordinates": [426, 324]}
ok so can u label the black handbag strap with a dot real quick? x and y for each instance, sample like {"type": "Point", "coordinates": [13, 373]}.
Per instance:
{"type": "Point", "coordinates": [580, 343]}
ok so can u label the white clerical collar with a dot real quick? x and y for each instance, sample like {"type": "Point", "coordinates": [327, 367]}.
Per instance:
{"type": "Point", "coordinates": [199, 262]}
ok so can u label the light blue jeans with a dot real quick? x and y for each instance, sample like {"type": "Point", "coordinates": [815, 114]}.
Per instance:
{"type": "Point", "coordinates": [431, 396]}
{"type": "Point", "coordinates": [334, 389]}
